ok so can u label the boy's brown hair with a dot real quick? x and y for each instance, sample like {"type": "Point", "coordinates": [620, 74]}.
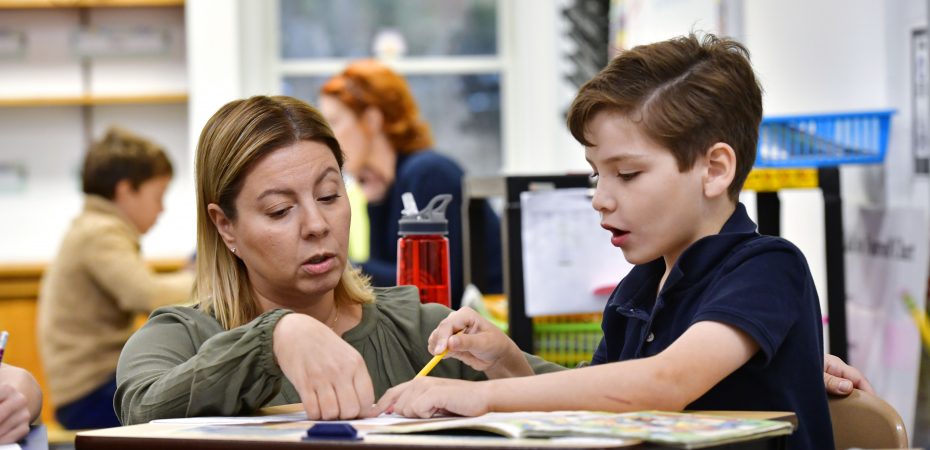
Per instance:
{"type": "Point", "coordinates": [686, 93]}
{"type": "Point", "coordinates": [122, 155]}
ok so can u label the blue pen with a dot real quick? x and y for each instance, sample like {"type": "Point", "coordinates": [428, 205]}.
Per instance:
{"type": "Point", "coordinates": [4, 336]}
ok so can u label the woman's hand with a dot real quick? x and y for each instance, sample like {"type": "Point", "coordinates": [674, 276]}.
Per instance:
{"type": "Point", "coordinates": [428, 396]}
{"type": "Point", "coordinates": [14, 414]}
{"type": "Point", "coordinates": [473, 340]}
{"type": "Point", "coordinates": [330, 376]}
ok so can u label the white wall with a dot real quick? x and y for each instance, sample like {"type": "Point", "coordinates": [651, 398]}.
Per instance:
{"type": "Point", "coordinates": [839, 55]}
{"type": "Point", "coordinates": [214, 60]}
{"type": "Point", "coordinates": [535, 137]}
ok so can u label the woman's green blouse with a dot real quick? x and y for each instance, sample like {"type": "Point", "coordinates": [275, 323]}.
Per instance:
{"type": "Point", "coordinates": [182, 363]}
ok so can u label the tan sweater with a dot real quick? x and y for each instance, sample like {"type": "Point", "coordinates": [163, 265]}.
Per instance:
{"type": "Point", "coordinates": [89, 296]}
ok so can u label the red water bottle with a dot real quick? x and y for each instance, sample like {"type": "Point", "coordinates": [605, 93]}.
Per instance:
{"type": "Point", "coordinates": [423, 249]}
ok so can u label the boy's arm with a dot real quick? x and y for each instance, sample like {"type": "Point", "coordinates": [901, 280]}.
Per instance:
{"type": "Point", "coordinates": [115, 263]}
{"type": "Point", "coordinates": [703, 356]}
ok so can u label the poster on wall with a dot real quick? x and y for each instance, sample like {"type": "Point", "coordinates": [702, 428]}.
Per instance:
{"type": "Point", "coordinates": [886, 253]}
{"type": "Point", "coordinates": [569, 265]}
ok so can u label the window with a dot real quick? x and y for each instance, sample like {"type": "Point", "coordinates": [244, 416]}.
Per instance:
{"type": "Point", "coordinates": [448, 50]}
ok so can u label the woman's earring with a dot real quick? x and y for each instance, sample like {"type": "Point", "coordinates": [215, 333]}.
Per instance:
{"type": "Point", "coordinates": [233, 249]}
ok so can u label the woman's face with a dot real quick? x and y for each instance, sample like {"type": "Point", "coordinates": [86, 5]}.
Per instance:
{"type": "Point", "coordinates": [292, 228]}
{"type": "Point", "coordinates": [349, 131]}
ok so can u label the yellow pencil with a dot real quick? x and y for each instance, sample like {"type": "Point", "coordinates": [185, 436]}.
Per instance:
{"type": "Point", "coordinates": [432, 363]}
{"type": "Point", "coordinates": [920, 317]}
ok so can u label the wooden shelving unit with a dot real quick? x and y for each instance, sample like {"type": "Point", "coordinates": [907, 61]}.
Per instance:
{"type": "Point", "coordinates": [85, 97]}
{"type": "Point", "coordinates": [95, 100]}
{"type": "Point", "coordinates": [28, 4]}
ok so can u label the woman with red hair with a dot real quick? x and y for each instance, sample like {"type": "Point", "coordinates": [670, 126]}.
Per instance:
{"type": "Point", "coordinates": [389, 151]}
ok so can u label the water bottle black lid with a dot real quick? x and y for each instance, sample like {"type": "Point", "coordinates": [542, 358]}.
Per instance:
{"type": "Point", "coordinates": [429, 220]}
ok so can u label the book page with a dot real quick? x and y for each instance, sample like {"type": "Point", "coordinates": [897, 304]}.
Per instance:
{"type": "Point", "coordinates": [685, 429]}
{"type": "Point", "coordinates": [569, 265]}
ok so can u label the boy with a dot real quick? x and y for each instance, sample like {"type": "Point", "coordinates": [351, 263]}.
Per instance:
{"type": "Point", "coordinates": [714, 315]}
{"type": "Point", "coordinates": [98, 282]}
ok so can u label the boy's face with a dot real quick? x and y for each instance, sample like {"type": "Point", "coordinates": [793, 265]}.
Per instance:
{"type": "Point", "coordinates": [142, 206]}
{"type": "Point", "coordinates": [650, 207]}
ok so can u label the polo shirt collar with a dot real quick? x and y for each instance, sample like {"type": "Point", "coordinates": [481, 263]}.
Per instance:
{"type": "Point", "coordinates": [636, 294]}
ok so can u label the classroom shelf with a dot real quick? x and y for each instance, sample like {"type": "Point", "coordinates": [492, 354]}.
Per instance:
{"type": "Point", "coordinates": [58, 23]}
{"type": "Point", "coordinates": [95, 100]}
{"type": "Point", "coordinates": [39, 4]}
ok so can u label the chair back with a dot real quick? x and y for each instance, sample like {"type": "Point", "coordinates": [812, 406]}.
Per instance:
{"type": "Point", "coordinates": [864, 420]}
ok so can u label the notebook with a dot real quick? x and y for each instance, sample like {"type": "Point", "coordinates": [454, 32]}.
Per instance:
{"type": "Point", "coordinates": [685, 430]}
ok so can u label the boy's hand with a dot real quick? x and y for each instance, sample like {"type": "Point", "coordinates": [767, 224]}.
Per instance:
{"type": "Point", "coordinates": [427, 396]}
{"type": "Point", "coordinates": [473, 340]}
{"type": "Point", "coordinates": [14, 415]}
{"type": "Point", "coordinates": [840, 378]}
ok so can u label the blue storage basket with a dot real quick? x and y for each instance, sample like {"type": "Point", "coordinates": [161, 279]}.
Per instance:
{"type": "Point", "coordinates": [819, 140]}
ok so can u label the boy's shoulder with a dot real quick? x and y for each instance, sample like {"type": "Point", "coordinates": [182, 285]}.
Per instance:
{"type": "Point", "coordinates": [760, 245]}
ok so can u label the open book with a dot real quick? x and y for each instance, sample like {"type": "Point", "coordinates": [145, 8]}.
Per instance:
{"type": "Point", "coordinates": [686, 430]}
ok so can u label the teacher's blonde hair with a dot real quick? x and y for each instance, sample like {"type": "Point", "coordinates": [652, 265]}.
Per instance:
{"type": "Point", "coordinates": [235, 138]}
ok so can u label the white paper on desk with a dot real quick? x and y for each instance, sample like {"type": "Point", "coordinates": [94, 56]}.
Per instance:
{"type": "Point", "coordinates": [566, 253]}
{"type": "Point", "coordinates": [236, 420]}
{"type": "Point", "coordinates": [383, 419]}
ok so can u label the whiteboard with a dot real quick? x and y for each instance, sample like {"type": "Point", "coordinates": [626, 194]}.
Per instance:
{"type": "Point", "coordinates": [569, 265]}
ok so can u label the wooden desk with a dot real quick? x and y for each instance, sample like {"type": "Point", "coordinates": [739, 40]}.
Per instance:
{"type": "Point", "coordinates": [206, 437]}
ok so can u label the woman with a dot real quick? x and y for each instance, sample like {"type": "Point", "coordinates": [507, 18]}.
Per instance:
{"type": "Point", "coordinates": [281, 317]}
{"type": "Point", "coordinates": [388, 148]}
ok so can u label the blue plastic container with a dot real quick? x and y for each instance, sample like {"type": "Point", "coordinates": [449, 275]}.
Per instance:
{"type": "Point", "coordinates": [820, 140]}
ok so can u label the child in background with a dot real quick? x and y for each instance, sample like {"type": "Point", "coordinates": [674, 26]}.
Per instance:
{"type": "Point", "coordinates": [714, 315]}
{"type": "Point", "coordinates": [99, 281]}
{"type": "Point", "coordinates": [20, 403]}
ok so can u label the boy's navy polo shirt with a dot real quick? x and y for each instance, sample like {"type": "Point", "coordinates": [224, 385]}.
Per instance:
{"type": "Point", "coordinates": [758, 284]}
